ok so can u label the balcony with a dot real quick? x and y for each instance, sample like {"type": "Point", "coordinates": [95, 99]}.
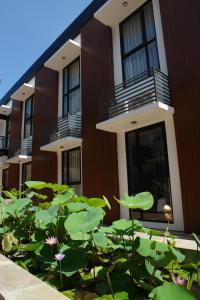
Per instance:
{"type": "Point", "coordinates": [142, 100]}
{"type": "Point", "coordinates": [67, 134]}
{"type": "Point", "coordinates": [3, 145]}
{"type": "Point", "coordinates": [22, 154]}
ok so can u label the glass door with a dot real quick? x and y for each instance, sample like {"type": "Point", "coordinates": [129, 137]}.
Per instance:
{"type": "Point", "coordinates": [148, 170]}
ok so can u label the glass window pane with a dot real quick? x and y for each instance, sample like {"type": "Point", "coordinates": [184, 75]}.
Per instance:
{"type": "Point", "coordinates": [74, 101]}
{"type": "Point", "coordinates": [28, 172]}
{"type": "Point", "coordinates": [148, 168]}
{"type": "Point", "coordinates": [153, 55]}
{"type": "Point", "coordinates": [65, 106]}
{"type": "Point", "coordinates": [74, 74]}
{"type": "Point", "coordinates": [65, 167]}
{"type": "Point", "coordinates": [65, 80]}
{"type": "Point", "coordinates": [27, 128]}
{"type": "Point", "coordinates": [28, 108]}
{"type": "Point", "coordinates": [5, 179]}
{"type": "Point", "coordinates": [132, 33]}
{"type": "Point", "coordinates": [3, 127]}
{"type": "Point", "coordinates": [74, 166]}
{"type": "Point", "coordinates": [135, 64]}
{"type": "Point", "coordinates": [149, 22]}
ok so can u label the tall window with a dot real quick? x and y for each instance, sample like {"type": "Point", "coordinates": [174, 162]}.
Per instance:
{"type": "Point", "coordinates": [148, 170]}
{"type": "Point", "coordinates": [5, 179]}
{"type": "Point", "coordinates": [28, 116]}
{"type": "Point", "coordinates": [71, 167]}
{"type": "Point", "coordinates": [71, 88]}
{"type": "Point", "coordinates": [138, 42]}
{"type": "Point", "coordinates": [26, 173]}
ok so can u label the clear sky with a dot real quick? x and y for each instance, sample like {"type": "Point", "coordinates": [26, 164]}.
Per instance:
{"type": "Point", "coordinates": [27, 29]}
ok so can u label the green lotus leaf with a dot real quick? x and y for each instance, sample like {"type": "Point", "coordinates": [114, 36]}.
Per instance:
{"type": "Point", "coordinates": [63, 198]}
{"type": "Point", "coordinates": [100, 239]}
{"type": "Point", "coordinates": [76, 207]}
{"type": "Point", "coordinates": [38, 185]}
{"type": "Point", "coordinates": [142, 201]}
{"type": "Point", "coordinates": [74, 260]}
{"type": "Point", "coordinates": [84, 221]}
{"type": "Point", "coordinates": [170, 291]}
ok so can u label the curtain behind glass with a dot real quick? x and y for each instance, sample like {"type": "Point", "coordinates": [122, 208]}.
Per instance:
{"type": "Point", "coordinates": [74, 75]}
{"type": "Point", "coordinates": [74, 166]}
{"type": "Point", "coordinates": [149, 22]}
{"type": "Point", "coordinates": [132, 33]}
{"type": "Point", "coordinates": [135, 64]}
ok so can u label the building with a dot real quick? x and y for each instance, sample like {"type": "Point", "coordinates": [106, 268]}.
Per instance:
{"type": "Point", "coordinates": [112, 106]}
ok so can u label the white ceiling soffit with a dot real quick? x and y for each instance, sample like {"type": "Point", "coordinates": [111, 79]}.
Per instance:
{"type": "Point", "coordinates": [5, 110]}
{"type": "Point", "coordinates": [66, 54]}
{"type": "Point", "coordinates": [24, 92]}
{"type": "Point", "coordinates": [19, 159]}
{"type": "Point", "coordinates": [114, 11]}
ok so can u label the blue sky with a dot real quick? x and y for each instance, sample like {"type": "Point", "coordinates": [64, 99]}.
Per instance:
{"type": "Point", "coordinates": [27, 29]}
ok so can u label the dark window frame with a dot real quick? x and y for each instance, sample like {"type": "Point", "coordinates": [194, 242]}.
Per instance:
{"type": "Point", "coordinates": [69, 91]}
{"type": "Point", "coordinates": [68, 182]}
{"type": "Point", "coordinates": [163, 128]}
{"type": "Point", "coordinates": [145, 43]}
{"type": "Point", "coordinates": [29, 118]}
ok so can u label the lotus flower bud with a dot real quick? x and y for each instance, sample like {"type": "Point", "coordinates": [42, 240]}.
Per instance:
{"type": "Point", "coordinates": [168, 217]}
{"type": "Point", "coordinates": [167, 209]}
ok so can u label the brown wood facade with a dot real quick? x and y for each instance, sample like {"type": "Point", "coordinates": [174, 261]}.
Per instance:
{"type": "Point", "coordinates": [44, 164]}
{"type": "Point", "coordinates": [15, 138]}
{"type": "Point", "coordinates": [181, 21]}
{"type": "Point", "coordinates": [99, 149]}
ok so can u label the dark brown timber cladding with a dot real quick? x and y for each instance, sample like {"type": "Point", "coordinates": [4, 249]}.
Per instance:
{"type": "Point", "coordinates": [44, 164]}
{"type": "Point", "coordinates": [181, 23]}
{"type": "Point", "coordinates": [15, 142]}
{"type": "Point", "coordinates": [99, 150]}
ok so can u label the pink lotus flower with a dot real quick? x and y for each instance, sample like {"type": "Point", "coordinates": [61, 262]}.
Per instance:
{"type": "Point", "coordinates": [59, 256]}
{"type": "Point", "coordinates": [178, 280]}
{"type": "Point", "coordinates": [51, 240]}
{"type": "Point", "coordinates": [7, 201]}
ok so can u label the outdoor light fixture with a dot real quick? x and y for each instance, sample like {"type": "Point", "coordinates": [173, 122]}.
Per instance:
{"type": "Point", "coordinates": [63, 57]}
{"type": "Point", "coordinates": [125, 4]}
{"type": "Point", "coordinates": [134, 122]}
{"type": "Point", "coordinates": [23, 94]}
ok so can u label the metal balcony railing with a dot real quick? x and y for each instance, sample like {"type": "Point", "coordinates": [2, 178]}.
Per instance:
{"type": "Point", "coordinates": [67, 125]}
{"type": "Point", "coordinates": [150, 86]}
{"type": "Point", "coordinates": [25, 149]}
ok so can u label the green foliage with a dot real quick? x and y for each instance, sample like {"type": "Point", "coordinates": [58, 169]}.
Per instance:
{"type": "Point", "coordinates": [98, 262]}
{"type": "Point", "coordinates": [142, 201]}
{"type": "Point", "coordinates": [170, 291]}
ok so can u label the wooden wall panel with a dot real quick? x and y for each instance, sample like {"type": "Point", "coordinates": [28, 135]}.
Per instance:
{"type": "Point", "coordinates": [181, 22]}
{"type": "Point", "coordinates": [99, 150]}
{"type": "Point", "coordinates": [44, 164]}
{"type": "Point", "coordinates": [14, 142]}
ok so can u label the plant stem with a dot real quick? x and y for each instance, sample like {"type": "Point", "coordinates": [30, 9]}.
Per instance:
{"type": "Point", "coordinates": [166, 231]}
{"type": "Point", "coordinates": [110, 285]}
{"type": "Point", "coordinates": [93, 259]}
{"type": "Point", "coordinates": [61, 282]}
{"type": "Point", "coordinates": [133, 233]}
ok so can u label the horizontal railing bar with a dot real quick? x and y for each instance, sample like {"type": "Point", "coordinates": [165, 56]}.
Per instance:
{"type": "Point", "coordinates": [150, 86]}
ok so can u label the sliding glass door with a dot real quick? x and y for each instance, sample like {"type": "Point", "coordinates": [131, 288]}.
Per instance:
{"type": "Point", "coordinates": [147, 166]}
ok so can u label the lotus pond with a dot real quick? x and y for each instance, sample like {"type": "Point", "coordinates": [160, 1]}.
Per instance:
{"type": "Point", "coordinates": [61, 239]}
